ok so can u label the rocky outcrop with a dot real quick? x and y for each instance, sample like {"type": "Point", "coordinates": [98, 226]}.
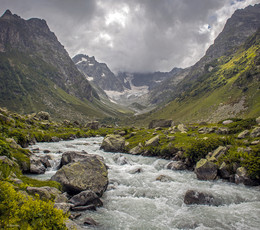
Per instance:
{"type": "Point", "coordinates": [153, 141]}
{"type": "Point", "coordinates": [73, 156]}
{"type": "Point", "coordinates": [88, 174]}
{"type": "Point", "coordinates": [217, 153]}
{"type": "Point", "coordinates": [195, 197]}
{"type": "Point", "coordinates": [160, 123]}
{"type": "Point", "coordinates": [93, 125]}
{"type": "Point", "coordinates": [36, 165]}
{"type": "Point", "coordinates": [206, 170]}
{"type": "Point", "coordinates": [113, 143]}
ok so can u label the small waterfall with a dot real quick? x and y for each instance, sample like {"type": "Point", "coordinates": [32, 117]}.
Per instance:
{"type": "Point", "coordinates": [136, 200]}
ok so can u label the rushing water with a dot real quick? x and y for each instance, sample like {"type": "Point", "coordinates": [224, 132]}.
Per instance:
{"type": "Point", "coordinates": [138, 201]}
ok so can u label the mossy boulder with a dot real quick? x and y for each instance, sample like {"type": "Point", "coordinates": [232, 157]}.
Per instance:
{"type": "Point", "coordinates": [255, 132]}
{"type": "Point", "coordinates": [243, 134]}
{"type": "Point", "coordinates": [88, 174]}
{"type": "Point", "coordinates": [153, 141]}
{"type": "Point", "coordinates": [243, 177]}
{"type": "Point", "coordinates": [113, 143]}
{"type": "Point", "coordinates": [206, 170]}
{"type": "Point", "coordinates": [137, 149]}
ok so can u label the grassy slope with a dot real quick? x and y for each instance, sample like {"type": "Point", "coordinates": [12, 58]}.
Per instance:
{"type": "Point", "coordinates": [27, 87]}
{"type": "Point", "coordinates": [231, 80]}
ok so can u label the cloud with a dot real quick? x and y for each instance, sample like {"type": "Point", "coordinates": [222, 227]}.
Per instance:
{"type": "Point", "coordinates": [136, 35]}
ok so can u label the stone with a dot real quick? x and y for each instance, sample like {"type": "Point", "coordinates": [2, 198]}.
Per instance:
{"type": "Point", "coordinates": [255, 132]}
{"type": "Point", "coordinates": [45, 161]}
{"type": "Point", "coordinates": [90, 207]}
{"type": "Point", "coordinates": [136, 170]}
{"type": "Point", "coordinates": [13, 143]}
{"type": "Point", "coordinates": [122, 160]}
{"type": "Point", "coordinates": [113, 143]}
{"type": "Point", "coordinates": [74, 216]}
{"type": "Point", "coordinates": [182, 128]}
{"type": "Point", "coordinates": [71, 225]}
{"type": "Point", "coordinates": [137, 149]}
{"type": "Point", "coordinates": [55, 139]}
{"type": "Point", "coordinates": [36, 165]}
{"type": "Point", "coordinates": [153, 141]}
{"type": "Point", "coordinates": [222, 130]}
{"type": "Point", "coordinates": [206, 170]}
{"type": "Point", "coordinates": [65, 207]}
{"type": "Point", "coordinates": [160, 123]}
{"type": "Point", "coordinates": [90, 221]}
{"type": "Point", "coordinates": [72, 156]}
{"type": "Point", "coordinates": [224, 171]}
{"type": "Point", "coordinates": [195, 197]}
{"type": "Point", "coordinates": [43, 115]}
{"type": "Point", "coordinates": [256, 142]}
{"type": "Point", "coordinates": [164, 178]}
{"type": "Point", "coordinates": [226, 122]}
{"type": "Point", "coordinates": [243, 134]}
{"type": "Point", "coordinates": [176, 165]}
{"type": "Point", "coordinates": [171, 138]}
{"type": "Point", "coordinates": [217, 153]}
{"type": "Point", "coordinates": [88, 174]}
{"type": "Point", "coordinates": [86, 198]}
{"type": "Point", "coordinates": [241, 176]}
{"type": "Point", "coordinates": [93, 125]}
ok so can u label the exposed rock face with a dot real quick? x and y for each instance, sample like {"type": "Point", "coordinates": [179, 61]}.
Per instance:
{"type": "Point", "coordinates": [195, 197]}
{"type": "Point", "coordinates": [153, 141]}
{"type": "Point", "coordinates": [160, 123]}
{"type": "Point", "coordinates": [206, 170]}
{"type": "Point", "coordinates": [88, 174]}
{"type": "Point", "coordinates": [113, 143]}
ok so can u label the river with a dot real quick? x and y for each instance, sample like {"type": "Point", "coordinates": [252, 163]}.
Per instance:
{"type": "Point", "coordinates": [139, 201]}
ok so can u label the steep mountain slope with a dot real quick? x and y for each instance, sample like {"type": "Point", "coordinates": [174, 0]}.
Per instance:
{"type": "Point", "coordinates": [238, 28]}
{"type": "Point", "coordinates": [229, 87]}
{"type": "Point", "coordinates": [38, 74]}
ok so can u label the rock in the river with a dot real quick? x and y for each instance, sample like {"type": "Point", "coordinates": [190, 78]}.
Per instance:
{"type": "Point", "coordinates": [86, 198]}
{"type": "Point", "coordinates": [164, 178]}
{"type": "Point", "coordinates": [90, 207]}
{"type": "Point", "coordinates": [122, 160]}
{"type": "Point", "coordinates": [65, 207]}
{"type": "Point", "coordinates": [224, 171]}
{"type": "Point", "coordinates": [195, 197]}
{"type": "Point", "coordinates": [71, 156]}
{"type": "Point", "coordinates": [71, 225]}
{"type": "Point", "coordinates": [36, 165]}
{"type": "Point", "coordinates": [206, 170]}
{"type": "Point", "coordinates": [153, 141]}
{"type": "Point", "coordinates": [243, 134]}
{"type": "Point", "coordinates": [176, 165]}
{"type": "Point", "coordinates": [88, 174]}
{"type": "Point", "coordinates": [255, 132]}
{"type": "Point", "coordinates": [113, 143]}
{"type": "Point", "coordinates": [90, 221]}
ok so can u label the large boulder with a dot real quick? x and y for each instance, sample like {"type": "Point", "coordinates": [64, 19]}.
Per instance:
{"type": "Point", "coordinates": [195, 197]}
{"type": "Point", "coordinates": [217, 153]}
{"type": "Point", "coordinates": [88, 174]}
{"type": "Point", "coordinates": [137, 149]}
{"type": "Point", "coordinates": [72, 156]}
{"type": "Point", "coordinates": [113, 143]}
{"type": "Point", "coordinates": [36, 165]}
{"type": "Point", "coordinates": [160, 123]}
{"type": "Point", "coordinates": [206, 170]}
{"type": "Point", "coordinates": [224, 171]}
{"type": "Point", "coordinates": [242, 177]}
{"type": "Point", "coordinates": [153, 141]}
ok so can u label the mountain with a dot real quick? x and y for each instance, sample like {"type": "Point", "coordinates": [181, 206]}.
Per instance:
{"type": "Point", "coordinates": [225, 82]}
{"type": "Point", "coordinates": [38, 74]}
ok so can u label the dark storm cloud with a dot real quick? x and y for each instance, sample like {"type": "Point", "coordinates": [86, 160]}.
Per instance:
{"type": "Point", "coordinates": [136, 35]}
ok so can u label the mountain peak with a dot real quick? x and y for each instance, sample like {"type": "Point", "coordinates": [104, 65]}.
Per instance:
{"type": "Point", "coordinates": [8, 15]}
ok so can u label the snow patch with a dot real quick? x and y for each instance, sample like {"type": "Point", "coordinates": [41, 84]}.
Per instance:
{"type": "Point", "coordinates": [90, 78]}
{"type": "Point", "coordinates": [90, 64]}
{"type": "Point", "coordinates": [103, 75]}
{"type": "Point", "coordinates": [82, 60]}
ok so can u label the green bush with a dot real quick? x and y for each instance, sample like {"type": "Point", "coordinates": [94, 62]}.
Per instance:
{"type": "Point", "coordinates": [19, 211]}
{"type": "Point", "coordinates": [241, 124]}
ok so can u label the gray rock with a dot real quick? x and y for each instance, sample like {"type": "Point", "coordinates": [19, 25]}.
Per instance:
{"type": "Point", "coordinates": [86, 198]}
{"type": "Point", "coordinates": [72, 156]}
{"type": "Point", "coordinates": [160, 123]}
{"type": "Point", "coordinates": [136, 170]}
{"type": "Point", "coordinates": [153, 141]}
{"type": "Point", "coordinates": [226, 122]}
{"type": "Point", "coordinates": [36, 165]}
{"type": "Point", "coordinates": [224, 171]}
{"type": "Point", "coordinates": [182, 128]}
{"type": "Point", "coordinates": [256, 142]}
{"type": "Point", "coordinates": [137, 149]}
{"type": "Point", "coordinates": [93, 125]}
{"type": "Point", "coordinates": [243, 134]}
{"type": "Point", "coordinates": [88, 174]}
{"type": "Point", "coordinates": [113, 143]}
{"type": "Point", "coordinates": [206, 170]}
{"type": "Point", "coordinates": [222, 130]}
{"type": "Point", "coordinates": [242, 177]}
{"type": "Point", "coordinates": [176, 165]}
{"type": "Point", "coordinates": [195, 197]}
{"type": "Point", "coordinates": [164, 178]}
{"type": "Point", "coordinates": [90, 221]}
{"type": "Point", "coordinates": [255, 132]}
{"type": "Point", "coordinates": [258, 120]}
{"type": "Point", "coordinates": [122, 160]}
{"type": "Point", "coordinates": [65, 207]}
{"type": "Point", "coordinates": [217, 153]}
{"type": "Point", "coordinates": [71, 225]}
{"type": "Point", "coordinates": [90, 207]}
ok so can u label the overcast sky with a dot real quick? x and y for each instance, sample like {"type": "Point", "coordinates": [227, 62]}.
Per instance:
{"type": "Point", "coordinates": [133, 35]}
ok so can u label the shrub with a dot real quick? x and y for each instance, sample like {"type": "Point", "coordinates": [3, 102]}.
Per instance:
{"type": "Point", "coordinates": [18, 211]}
